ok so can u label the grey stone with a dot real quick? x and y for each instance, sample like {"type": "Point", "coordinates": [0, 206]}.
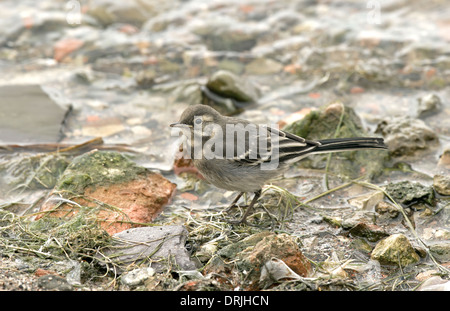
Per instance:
{"type": "Point", "coordinates": [405, 135]}
{"type": "Point", "coordinates": [406, 192]}
{"type": "Point", "coordinates": [29, 115]}
{"type": "Point", "coordinates": [428, 104]}
{"type": "Point", "coordinates": [137, 276]}
{"type": "Point", "coordinates": [441, 184]}
{"type": "Point", "coordinates": [134, 12]}
{"type": "Point", "coordinates": [161, 246]}
{"type": "Point", "coordinates": [435, 283]}
{"type": "Point", "coordinates": [441, 251]}
{"type": "Point", "coordinates": [227, 84]}
{"type": "Point", "coordinates": [54, 282]}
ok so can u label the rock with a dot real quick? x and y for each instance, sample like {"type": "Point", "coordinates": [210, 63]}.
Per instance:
{"type": "Point", "coordinates": [64, 47]}
{"type": "Point", "coordinates": [102, 127]}
{"type": "Point", "coordinates": [394, 250]}
{"type": "Point", "coordinates": [406, 192]}
{"type": "Point", "coordinates": [441, 183]}
{"type": "Point", "coordinates": [442, 234]}
{"type": "Point", "coordinates": [295, 117]}
{"type": "Point", "coordinates": [251, 254]}
{"type": "Point", "coordinates": [423, 276]}
{"type": "Point", "coordinates": [335, 221]}
{"type": "Point", "coordinates": [234, 66]}
{"type": "Point", "coordinates": [186, 92]}
{"type": "Point", "coordinates": [33, 23]}
{"type": "Point", "coordinates": [159, 247]}
{"type": "Point", "coordinates": [322, 124]}
{"type": "Point", "coordinates": [137, 276]}
{"type": "Point", "coordinates": [224, 105]}
{"type": "Point", "coordinates": [206, 251]}
{"type": "Point", "coordinates": [405, 136]}
{"type": "Point", "coordinates": [367, 201]}
{"type": "Point", "coordinates": [371, 232]}
{"type": "Point", "coordinates": [436, 234]}
{"type": "Point", "coordinates": [441, 251]}
{"type": "Point", "coordinates": [227, 84]}
{"type": "Point", "coordinates": [231, 250]}
{"type": "Point", "coordinates": [361, 245]}
{"type": "Point", "coordinates": [145, 78]}
{"type": "Point", "coordinates": [263, 66]}
{"type": "Point", "coordinates": [165, 20]}
{"type": "Point", "coordinates": [124, 194]}
{"type": "Point", "coordinates": [444, 160]}
{"type": "Point", "coordinates": [132, 12]}
{"type": "Point", "coordinates": [284, 20]}
{"type": "Point", "coordinates": [435, 283]}
{"type": "Point", "coordinates": [53, 282]}
{"type": "Point", "coordinates": [428, 104]}
{"type": "Point", "coordinates": [227, 34]}
{"type": "Point", "coordinates": [23, 122]}
{"type": "Point", "coordinates": [283, 247]}
{"type": "Point", "coordinates": [384, 208]}
{"type": "Point", "coordinates": [228, 93]}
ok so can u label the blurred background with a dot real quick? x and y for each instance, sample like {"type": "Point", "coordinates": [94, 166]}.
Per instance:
{"type": "Point", "coordinates": [115, 74]}
{"type": "Point", "coordinates": [127, 69]}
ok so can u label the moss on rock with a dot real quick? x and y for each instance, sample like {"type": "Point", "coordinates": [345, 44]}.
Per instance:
{"type": "Point", "coordinates": [98, 168]}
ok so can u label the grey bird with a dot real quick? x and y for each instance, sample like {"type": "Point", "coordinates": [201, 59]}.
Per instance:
{"type": "Point", "coordinates": [246, 167]}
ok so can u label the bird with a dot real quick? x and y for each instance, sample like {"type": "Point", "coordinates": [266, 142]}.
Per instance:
{"type": "Point", "coordinates": [252, 155]}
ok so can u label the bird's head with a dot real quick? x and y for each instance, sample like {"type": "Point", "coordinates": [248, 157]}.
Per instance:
{"type": "Point", "coordinates": [197, 116]}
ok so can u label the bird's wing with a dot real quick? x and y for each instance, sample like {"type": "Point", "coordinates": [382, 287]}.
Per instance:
{"type": "Point", "coordinates": [280, 146]}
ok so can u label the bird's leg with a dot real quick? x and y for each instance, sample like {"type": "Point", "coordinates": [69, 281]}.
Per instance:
{"type": "Point", "coordinates": [249, 209]}
{"type": "Point", "coordinates": [233, 204]}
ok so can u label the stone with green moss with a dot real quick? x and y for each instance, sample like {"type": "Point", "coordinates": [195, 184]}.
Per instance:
{"type": "Point", "coordinates": [395, 250]}
{"type": "Point", "coordinates": [407, 193]}
{"type": "Point", "coordinates": [228, 93]}
{"type": "Point", "coordinates": [98, 168]}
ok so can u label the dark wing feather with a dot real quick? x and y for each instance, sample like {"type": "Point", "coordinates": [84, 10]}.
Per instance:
{"type": "Point", "coordinates": [282, 146]}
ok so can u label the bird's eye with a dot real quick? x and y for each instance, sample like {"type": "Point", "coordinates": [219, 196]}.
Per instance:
{"type": "Point", "coordinates": [198, 121]}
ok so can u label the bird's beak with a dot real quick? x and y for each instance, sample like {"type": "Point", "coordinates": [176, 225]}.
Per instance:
{"type": "Point", "coordinates": [178, 124]}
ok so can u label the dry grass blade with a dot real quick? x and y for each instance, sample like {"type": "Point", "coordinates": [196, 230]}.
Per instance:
{"type": "Point", "coordinates": [410, 225]}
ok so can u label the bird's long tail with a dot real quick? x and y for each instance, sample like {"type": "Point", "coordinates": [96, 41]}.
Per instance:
{"type": "Point", "coordinates": [345, 144]}
{"type": "Point", "coordinates": [293, 148]}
